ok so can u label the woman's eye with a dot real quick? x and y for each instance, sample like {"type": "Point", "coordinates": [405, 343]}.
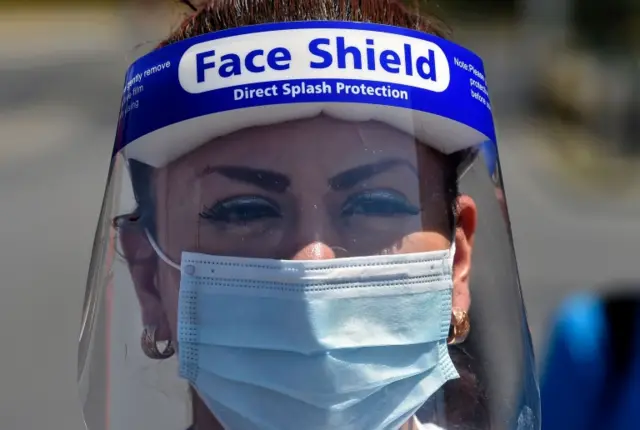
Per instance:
{"type": "Point", "coordinates": [382, 203]}
{"type": "Point", "coordinates": [242, 210]}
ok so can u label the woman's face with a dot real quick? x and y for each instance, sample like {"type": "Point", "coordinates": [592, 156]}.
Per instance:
{"type": "Point", "coordinates": [310, 189]}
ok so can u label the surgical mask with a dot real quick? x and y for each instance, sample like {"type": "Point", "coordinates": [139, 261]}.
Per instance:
{"type": "Point", "coordinates": [353, 343]}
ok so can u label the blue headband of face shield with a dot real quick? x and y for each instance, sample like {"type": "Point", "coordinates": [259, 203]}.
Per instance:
{"type": "Point", "coordinates": [187, 94]}
{"type": "Point", "coordinates": [418, 83]}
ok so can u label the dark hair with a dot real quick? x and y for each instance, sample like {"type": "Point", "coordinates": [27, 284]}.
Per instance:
{"type": "Point", "coordinates": [215, 15]}
{"type": "Point", "coordinates": [464, 398]}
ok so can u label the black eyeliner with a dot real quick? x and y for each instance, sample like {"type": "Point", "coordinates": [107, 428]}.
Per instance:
{"type": "Point", "coordinates": [396, 204]}
{"type": "Point", "coordinates": [227, 210]}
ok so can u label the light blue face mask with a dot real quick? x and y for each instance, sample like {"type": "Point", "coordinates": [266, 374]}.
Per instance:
{"type": "Point", "coordinates": [348, 344]}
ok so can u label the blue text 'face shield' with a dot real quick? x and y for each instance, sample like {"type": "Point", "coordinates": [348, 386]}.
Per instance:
{"type": "Point", "coordinates": [302, 229]}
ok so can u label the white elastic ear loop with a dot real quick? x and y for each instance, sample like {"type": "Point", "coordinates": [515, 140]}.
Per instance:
{"type": "Point", "coordinates": [452, 253]}
{"type": "Point", "coordinates": [452, 249]}
{"type": "Point", "coordinates": [159, 252]}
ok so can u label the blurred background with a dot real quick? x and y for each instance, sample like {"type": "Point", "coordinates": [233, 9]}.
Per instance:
{"type": "Point", "coordinates": [565, 83]}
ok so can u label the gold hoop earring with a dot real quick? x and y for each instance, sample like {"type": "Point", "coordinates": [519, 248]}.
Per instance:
{"type": "Point", "coordinates": [460, 327]}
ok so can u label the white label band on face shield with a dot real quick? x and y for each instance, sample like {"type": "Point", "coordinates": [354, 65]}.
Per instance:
{"type": "Point", "coordinates": [353, 343]}
{"type": "Point", "coordinates": [329, 54]}
{"type": "Point", "coordinates": [347, 70]}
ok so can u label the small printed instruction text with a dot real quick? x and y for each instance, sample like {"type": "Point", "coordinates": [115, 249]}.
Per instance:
{"type": "Point", "coordinates": [477, 84]}
{"type": "Point", "coordinates": [134, 87]}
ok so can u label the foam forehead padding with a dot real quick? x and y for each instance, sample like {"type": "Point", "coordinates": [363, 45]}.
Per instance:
{"type": "Point", "coordinates": [187, 94]}
{"type": "Point", "coordinates": [163, 146]}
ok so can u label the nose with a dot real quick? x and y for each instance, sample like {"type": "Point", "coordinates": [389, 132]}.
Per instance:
{"type": "Point", "coordinates": [315, 251]}
{"type": "Point", "coordinates": [315, 236]}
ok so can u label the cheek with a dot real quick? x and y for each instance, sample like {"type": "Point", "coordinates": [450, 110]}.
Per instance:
{"type": "Point", "coordinates": [177, 209]}
{"type": "Point", "coordinates": [178, 232]}
{"type": "Point", "coordinates": [373, 235]}
{"type": "Point", "coordinates": [423, 242]}
{"type": "Point", "coordinates": [437, 213]}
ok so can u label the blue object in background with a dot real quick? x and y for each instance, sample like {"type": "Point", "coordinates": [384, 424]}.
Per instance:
{"type": "Point", "coordinates": [582, 387]}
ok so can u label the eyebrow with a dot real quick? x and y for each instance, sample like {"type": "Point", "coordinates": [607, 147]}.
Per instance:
{"type": "Point", "coordinates": [265, 179]}
{"type": "Point", "coordinates": [350, 178]}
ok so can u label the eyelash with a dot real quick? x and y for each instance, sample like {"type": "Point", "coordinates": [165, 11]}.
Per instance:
{"type": "Point", "coordinates": [383, 203]}
{"type": "Point", "coordinates": [371, 203]}
{"type": "Point", "coordinates": [238, 209]}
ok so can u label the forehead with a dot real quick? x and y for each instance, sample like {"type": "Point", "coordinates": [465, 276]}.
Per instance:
{"type": "Point", "coordinates": [321, 142]}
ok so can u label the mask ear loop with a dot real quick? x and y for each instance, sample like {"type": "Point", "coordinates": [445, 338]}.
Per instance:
{"type": "Point", "coordinates": [452, 249]}
{"type": "Point", "coordinates": [452, 254]}
{"type": "Point", "coordinates": [159, 252]}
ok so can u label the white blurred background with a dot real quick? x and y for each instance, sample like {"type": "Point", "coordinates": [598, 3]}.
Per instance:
{"type": "Point", "coordinates": [565, 84]}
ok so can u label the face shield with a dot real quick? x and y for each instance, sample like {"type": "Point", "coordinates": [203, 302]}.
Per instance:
{"type": "Point", "coordinates": [302, 228]}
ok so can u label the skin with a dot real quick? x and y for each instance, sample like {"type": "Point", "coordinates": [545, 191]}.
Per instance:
{"type": "Point", "coordinates": [318, 207]}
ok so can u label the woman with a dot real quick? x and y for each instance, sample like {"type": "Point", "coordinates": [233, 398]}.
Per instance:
{"type": "Point", "coordinates": [294, 232]}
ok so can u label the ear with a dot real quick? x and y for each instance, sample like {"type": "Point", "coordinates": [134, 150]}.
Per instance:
{"type": "Point", "coordinates": [143, 263]}
{"type": "Point", "coordinates": [465, 233]}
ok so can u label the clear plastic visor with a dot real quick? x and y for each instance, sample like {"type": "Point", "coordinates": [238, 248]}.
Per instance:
{"type": "Point", "coordinates": [335, 304]}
